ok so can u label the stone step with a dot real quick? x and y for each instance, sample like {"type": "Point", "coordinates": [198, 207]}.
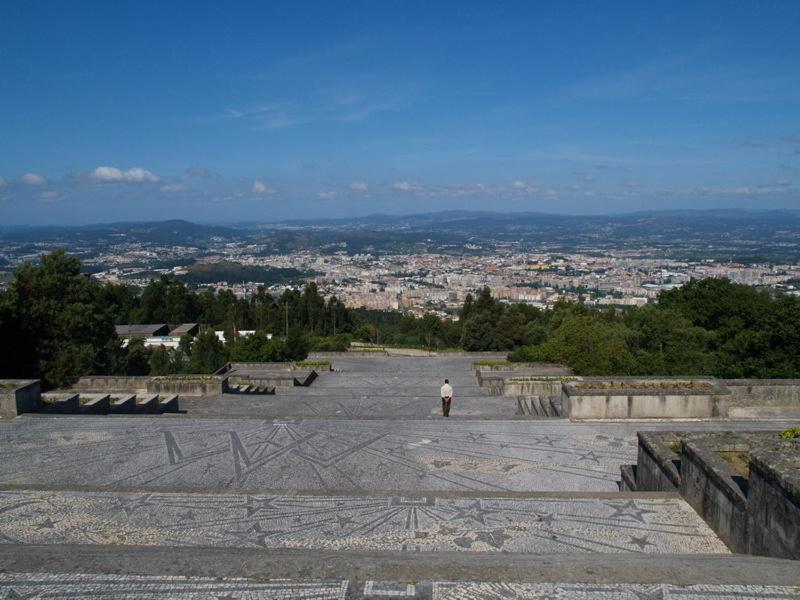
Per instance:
{"type": "Point", "coordinates": [467, 575]}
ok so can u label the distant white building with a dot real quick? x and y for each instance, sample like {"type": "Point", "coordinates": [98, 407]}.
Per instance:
{"type": "Point", "coordinates": [241, 333]}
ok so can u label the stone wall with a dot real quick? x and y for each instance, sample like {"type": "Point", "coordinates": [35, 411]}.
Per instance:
{"type": "Point", "coordinates": [708, 485]}
{"type": "Point", "coordinates": [531, 367]}
{"type": "Point", "coordinates": [774, 500]}
{"type": "Point", "coordinates": [763, 392]}
{"type": "Point", "coordinates": [112, 383]}
{"type": "Point", "coordinates": [532, 388]}
{"type": "Point", "coordinates": [636, 398]}
{"type": "Point", "coordinates": [658, 465]}
{"type": "Point", "coordinates": [754, 509]}
{"type": "Point", "coordinates": [209, 385]}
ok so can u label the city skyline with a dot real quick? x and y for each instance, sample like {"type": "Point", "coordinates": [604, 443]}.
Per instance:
{"type": "Point", "coordinates": [264, 113]}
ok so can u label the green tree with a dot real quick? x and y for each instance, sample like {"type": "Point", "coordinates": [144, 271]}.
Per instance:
{"type": "Point", "coordinates": [136, 358]}
{"type": "Point", "coordinates": [479, 333]}
{"type": "Point", "coordinates": [589, 346]}
{"type": "Point", "coordinates": [160, 362]}
{"type": "Point", "coordinates": [207, 354]}
{"type": "Point", "coordinates": [259, 348]}
{"type": "Point", "coordinates": [62, 330]}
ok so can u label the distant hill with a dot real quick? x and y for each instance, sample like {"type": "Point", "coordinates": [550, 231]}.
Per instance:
{"type": "Point", "coordinates": [158, 232]}
{"type": "Point", "coordinates": [461, 219]}
{"type": "Point", "coordinates": [723, 234]}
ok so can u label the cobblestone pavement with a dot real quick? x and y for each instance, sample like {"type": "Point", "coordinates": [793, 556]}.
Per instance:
{"type": "Point", "coordinates": [326, 455]}
{"type": "Point", "coordinates": [361, 403]}
{"type": "Point", "coordinates": [524, 525]}
{"type": "Point", "coordinates": [29, 586]}
{"type": "Point", "coordinates": [371, 387]}
{"type": "Point", "coordinates": [299, 454]}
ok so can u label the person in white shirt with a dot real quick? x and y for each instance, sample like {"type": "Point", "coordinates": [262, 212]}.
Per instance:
{"type": "Point", "coordinates": [447, 397]}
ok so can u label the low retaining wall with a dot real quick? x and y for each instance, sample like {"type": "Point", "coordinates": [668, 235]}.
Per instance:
{"type": "Point", "coordinates": [519, 383]}
{"type": "Point", "coordinates": [541, 368]}
{"type": "Point", "coordinates": [763, 392]}
{"type": "Point", "coordinates": [211, 385]}
{"type": "Point", "coordinates": [274, 380]}
{"type": "Point", "coordinates": [111, 383]}
{"type": "Point", "coordinates": [19, 396]}
{"type": "Point", "coordinates": [532, 388]}
{"type": "Point", "coordinates": [636, 402]}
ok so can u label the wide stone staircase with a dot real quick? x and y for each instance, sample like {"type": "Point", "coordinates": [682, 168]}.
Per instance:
{"type": "Point", "coordinates": [541, 407]}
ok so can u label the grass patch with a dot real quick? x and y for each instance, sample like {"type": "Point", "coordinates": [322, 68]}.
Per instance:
{"type": "Point", "coordinates": [739, 461]}
{"type": "Point", "coordinates": [492, 363]}
{"type": "Point", "coordinates": [676, 447]}
{"type": "Point", "coordinates": [792, 433]}
{"type": "Point", "coordinates": [313, 363]}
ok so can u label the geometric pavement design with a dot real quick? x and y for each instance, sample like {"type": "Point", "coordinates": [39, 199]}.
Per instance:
{"type": "Point", "coordinates": [423, 524]}
{"type": "Point", "coordinates": [126, 587]}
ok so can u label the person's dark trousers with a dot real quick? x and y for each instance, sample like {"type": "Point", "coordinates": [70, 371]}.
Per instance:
{"type": "Point", "coordinates": [446, 406]}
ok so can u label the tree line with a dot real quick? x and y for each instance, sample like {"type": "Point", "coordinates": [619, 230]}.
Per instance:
{"type": "Point", "coordinates": [57, 324]}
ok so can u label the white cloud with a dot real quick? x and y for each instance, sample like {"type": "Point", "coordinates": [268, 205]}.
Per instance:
{"type": "Point", "coordinates": [406, 186]}
{"type": "Point", "coordinates": [33, 179]}
{"type": "Point", "coordinates": [326, 195]}
{"type": "Point", "coordinates": [524, 186]}
{"type": "Point", "coordinates": [173, 187]}
{"type": "Point", "coordinates": [49, 196]}
{"type": "Point", "coordinates": [115, 175]}
{"type": "Point", "coordinates": [359, 186]}
{"type": "Point", "coordinates": [261, 188]}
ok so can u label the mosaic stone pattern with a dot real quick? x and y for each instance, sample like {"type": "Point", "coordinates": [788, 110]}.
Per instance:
{"type": "Point", "coordinates": [29, 586]}
{"type": "Point", "coordinates": [299, 454]}
{"type": "Point", "coordinates": [425, 524]}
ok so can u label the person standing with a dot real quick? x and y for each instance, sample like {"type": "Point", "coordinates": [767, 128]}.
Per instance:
{"type": "Point", "coordinates": [447, 397]}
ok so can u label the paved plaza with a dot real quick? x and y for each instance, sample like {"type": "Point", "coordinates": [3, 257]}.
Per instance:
{"type": "Point", "coordinates": [334, 455]}
{"type": "Point", "coordinates": [353, 488]}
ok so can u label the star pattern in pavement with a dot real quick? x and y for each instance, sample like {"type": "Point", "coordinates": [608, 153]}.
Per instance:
{"type": "Point", "coordinates": [628, 511]}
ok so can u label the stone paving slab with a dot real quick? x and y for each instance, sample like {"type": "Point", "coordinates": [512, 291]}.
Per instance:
{"type": "Point", "coordinates": [419, 524]}
{"type": "Point", "coordinates": [253, 454]}
{"type": "Point", "coordinates": [325, 565]}
{"type": "Point", "coordinates": [28, 585]}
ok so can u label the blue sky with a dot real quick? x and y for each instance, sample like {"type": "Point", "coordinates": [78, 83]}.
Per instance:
{"type": "Point", "coordinates": [235, 111]}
